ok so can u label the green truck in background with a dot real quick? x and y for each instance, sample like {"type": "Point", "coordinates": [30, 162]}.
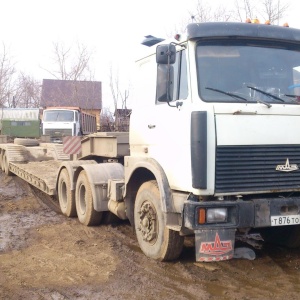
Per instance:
{"type": "Point", "coordinates": [20, 122]}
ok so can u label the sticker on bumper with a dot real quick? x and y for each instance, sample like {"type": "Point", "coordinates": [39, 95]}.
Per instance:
{"type": "Point", "coordinates": [217, 250]}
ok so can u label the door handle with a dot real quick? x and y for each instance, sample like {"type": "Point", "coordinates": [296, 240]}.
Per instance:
{"type": "Point", "coordinates": [150, 126]}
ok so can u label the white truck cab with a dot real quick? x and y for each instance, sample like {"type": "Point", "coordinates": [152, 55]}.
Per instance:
{"type": "Point", "coordinates": [58, 122]}
{"type": "Point", "coordinates": [216, 124]}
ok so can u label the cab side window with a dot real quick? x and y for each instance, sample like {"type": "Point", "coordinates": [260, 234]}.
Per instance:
{"type": "Point", "coordinates": [182, 78]}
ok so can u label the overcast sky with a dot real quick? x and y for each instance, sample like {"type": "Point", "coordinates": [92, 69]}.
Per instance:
{"type": "Point", "coordinates": [112, 29]}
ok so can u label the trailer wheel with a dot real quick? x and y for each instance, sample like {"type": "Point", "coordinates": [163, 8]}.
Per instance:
{"type": "Point", "coordinates": [155, 239]}
{"type": "Point", "coordinates": [86, 213]}
{"type": "Point", "coordinates": [1, 158]}
{"type": "Point", "coordinates": [66, 196]}
{"type": "Point", "coordinates": [5, 165]}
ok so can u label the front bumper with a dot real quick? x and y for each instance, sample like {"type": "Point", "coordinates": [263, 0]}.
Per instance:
{"type": "Point", "coordinates": [253, 213]}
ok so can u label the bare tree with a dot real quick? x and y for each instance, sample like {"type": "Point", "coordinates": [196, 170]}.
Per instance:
{"type": "Point", "coordinates": [205, 13]}
{"type": "Point", "coordinates": [274, 9]}
{"type": "Point", "coordinates": [271, 10]}
{"type": "Point", "coordinates": [106, 120]}
{"type": "Point", "coordinates": [245, 9]}
{"type": "Point", "coordinates": [7, 72]}
{"type": "Point", "coordinates": [27, 92]}
{"type": "Point", "coordinates": [119, 97]}
{"type": "Point", "coordinates": [72, 65]}
{"type": "Point", "coordinates": [267, 10]}
{"type": "Point", "coordinates": [16, 90]}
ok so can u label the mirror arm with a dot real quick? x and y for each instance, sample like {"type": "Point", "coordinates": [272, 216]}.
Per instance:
{"type": "Point", "coordinates": [180, 45]}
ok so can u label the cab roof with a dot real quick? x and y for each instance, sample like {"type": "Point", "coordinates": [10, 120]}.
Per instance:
{"type": "Point", "coordinates": [242, 30]}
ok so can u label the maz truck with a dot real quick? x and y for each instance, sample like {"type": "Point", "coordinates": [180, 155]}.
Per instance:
{"type": "Point", "coordinates": [213, 149]}
{"type": "Point", "coordinates": [58, 122]}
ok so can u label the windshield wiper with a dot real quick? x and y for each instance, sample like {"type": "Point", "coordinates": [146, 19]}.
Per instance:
{"type": "Point", "coordinates": [227, 93]}
{"type": "Point", "coordinates": [293, 96]}
{"type": "Point", "coordinates": [265, 93]}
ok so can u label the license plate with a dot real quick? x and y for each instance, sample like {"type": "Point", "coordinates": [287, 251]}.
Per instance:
{"type": "Point", "coordinates": [285, 220]}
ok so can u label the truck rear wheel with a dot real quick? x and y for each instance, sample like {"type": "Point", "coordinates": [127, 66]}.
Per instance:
{"type": "Point", "coordinates": [155, 239]}
{"type": "Point", "coordinates": [86, 213]}
{"type": "Point", "coordinates": [66, 196]}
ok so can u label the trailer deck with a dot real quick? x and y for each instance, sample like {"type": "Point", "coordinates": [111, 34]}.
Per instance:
{"type": "Point", "coordinates": [39, 165]}
{"type": "Point", "coordinates": [42, 175]}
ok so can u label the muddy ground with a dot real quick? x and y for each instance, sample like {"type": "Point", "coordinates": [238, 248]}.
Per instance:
{"type": "Point", "coordinates": [44, 255]}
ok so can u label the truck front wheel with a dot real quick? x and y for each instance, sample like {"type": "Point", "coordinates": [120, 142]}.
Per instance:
{"type": "Point", "coordinates": [66, 197]}
{"type": "Point", "coordinates": [155, 239]}
{"type": "Point", "coordinates": [86, 213]}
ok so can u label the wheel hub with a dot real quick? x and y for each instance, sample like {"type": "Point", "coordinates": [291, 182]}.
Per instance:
{"type": "Point", "coordinates": [148, 222]}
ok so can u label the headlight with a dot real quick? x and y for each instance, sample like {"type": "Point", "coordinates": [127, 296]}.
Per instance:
{"type": "Point", "coordinates": [216, 215]}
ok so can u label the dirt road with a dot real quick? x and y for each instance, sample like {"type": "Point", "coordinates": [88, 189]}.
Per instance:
{"type": "Point", "coordinates": [44, 255]}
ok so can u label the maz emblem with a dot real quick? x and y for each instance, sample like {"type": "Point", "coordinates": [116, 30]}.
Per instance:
{"type": "Point", "coordinates": [287, 167]}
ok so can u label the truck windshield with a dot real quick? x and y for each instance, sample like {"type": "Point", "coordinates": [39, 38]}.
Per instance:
{"type": "Point", "coordinates": [243, 71]}
{"type": "Point", "coordinates": [58, 116]}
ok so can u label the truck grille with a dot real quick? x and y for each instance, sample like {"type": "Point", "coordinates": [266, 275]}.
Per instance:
{"type": "Point", "coordinates": [58, 132]}
{"type": "Point", "coordinates": [253, 168]}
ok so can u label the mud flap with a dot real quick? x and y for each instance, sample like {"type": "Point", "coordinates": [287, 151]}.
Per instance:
{"type": "Point", "coordinates": [214, 244]}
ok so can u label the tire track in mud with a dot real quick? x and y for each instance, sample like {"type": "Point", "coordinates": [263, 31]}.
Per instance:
{"type": "Point", "coordinates": [16, 213]}
{"type": "Point", "coordinates": [156, 279]}
{"type": "Point", "coordinates": [266, 277]}
{"type": "Point", "coordinates": [46, 200]}
{"type": "Point", "coordinates": [273, 275]}
{"type": "Point", "coordinates": [270, 276]}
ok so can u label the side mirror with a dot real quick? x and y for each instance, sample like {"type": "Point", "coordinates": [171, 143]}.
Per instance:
{"type": "Point", "coordinates": [166, 54]}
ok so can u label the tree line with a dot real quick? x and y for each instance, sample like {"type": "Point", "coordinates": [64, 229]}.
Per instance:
{"type": "Point", "coordinates": [18, 89]}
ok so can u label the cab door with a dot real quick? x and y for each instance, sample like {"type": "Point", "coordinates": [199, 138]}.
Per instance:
{"type": "Point", "coordinates": [168, 124]}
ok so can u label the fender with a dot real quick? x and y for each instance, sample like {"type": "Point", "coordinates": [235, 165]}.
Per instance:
{"type": "Point", "coordinates": [132, 164]}
{"type": "Point", "coordinates": [71, 167]}
{"type": "Point", "coordinates": [98, 176]}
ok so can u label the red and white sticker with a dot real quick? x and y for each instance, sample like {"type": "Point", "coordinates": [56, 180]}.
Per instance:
{"type": "Point", "coordinates": [72, 144]}
{"type": "Point", "coordinates": [216, 250]}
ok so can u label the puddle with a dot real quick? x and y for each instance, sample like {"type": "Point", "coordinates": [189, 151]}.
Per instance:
{"type": "Point", "coordinates": [5, 221]}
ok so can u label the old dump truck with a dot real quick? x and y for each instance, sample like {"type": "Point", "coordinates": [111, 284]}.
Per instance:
{"type": "Point", "coordinates": [58, 122]}
{"type": "Point", "coordinates": [213, 148]}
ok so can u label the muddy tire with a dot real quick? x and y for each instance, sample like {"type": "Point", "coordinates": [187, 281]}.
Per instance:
{"type": "Point", "coordinates": [86, 213]}
{"type": "Point", "coordinates": [155, 239]}
{"type": "Point", "coordinates": [26, 142]}
{"type": "Point", "coordinates": [2, 160]}
{"type": "Point", "coordinates": [66, 196]}
{"type": "Point", "coordinates": [5, 164]}
{"type": "Point", "coordinates": [288, 236]}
